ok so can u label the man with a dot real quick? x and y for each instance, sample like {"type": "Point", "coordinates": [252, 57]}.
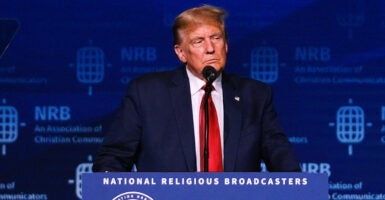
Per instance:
{"type": "Point", "coordinates": [158, 126]}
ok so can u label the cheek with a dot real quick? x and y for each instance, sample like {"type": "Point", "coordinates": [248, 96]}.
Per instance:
{"type": "Point", "coordinates": [198, 54]}
{"type": "Point", "coordinates": [193, 55]}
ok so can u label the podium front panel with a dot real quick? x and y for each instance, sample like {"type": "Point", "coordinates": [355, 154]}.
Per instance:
{"type": "Point", "coordinates": [186, 186]}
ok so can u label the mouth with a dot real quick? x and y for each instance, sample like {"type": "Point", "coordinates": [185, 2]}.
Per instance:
{"type": "Point", "coordinates": [211, 61]}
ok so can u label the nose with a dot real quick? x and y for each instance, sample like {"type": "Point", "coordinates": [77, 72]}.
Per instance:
{"type": "Point", "coordinates": [210, 47]}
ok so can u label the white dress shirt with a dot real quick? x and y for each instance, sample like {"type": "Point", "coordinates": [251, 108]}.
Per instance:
{"type": "Point", "coordinates": [196, 97]}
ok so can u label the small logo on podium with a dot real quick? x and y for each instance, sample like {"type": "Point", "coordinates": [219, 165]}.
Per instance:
{"type": "Point", "coordinates": [132, 196]}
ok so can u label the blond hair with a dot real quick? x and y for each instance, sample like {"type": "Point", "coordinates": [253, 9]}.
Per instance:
{"type": "Point", "coordinates": [198, 15]}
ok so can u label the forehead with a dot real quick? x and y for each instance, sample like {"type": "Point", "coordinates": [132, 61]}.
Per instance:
{"type": "Point", "coordinates": [201, 29]}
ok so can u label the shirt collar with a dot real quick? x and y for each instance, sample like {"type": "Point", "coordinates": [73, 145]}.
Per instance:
{"type": "Point", "coordinates": [196, 83]}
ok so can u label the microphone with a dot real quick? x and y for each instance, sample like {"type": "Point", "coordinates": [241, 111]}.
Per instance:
{"type": "Point", "coordinates": [210, 74]}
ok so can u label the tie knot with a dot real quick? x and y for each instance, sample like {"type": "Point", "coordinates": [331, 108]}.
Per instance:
{"type": "Point", "coordinates": [208, 88]}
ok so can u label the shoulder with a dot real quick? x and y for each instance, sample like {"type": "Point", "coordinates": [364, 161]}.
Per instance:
{"type": "Point", "coordinates": [154, 76]}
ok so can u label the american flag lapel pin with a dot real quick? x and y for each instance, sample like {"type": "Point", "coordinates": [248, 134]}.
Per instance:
{"type": "Point", "coordinates": [236, 98]}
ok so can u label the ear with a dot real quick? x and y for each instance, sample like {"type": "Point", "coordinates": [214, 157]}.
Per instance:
{"type": "Point", "coordinates": [179, 52]}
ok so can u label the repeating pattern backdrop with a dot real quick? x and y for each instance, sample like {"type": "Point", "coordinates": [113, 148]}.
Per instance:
{"type": "Point", "coordinates": [63, 76]}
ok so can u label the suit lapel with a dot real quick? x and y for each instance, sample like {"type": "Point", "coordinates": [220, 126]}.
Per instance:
{"type": "Point", "coordinates": [232, 122]}
{"type": "Point", "coordinates": [181, 104]}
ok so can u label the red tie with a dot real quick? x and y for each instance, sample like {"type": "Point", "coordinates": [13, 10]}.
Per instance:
{"type": "Point", "coordinates": [214, 139]}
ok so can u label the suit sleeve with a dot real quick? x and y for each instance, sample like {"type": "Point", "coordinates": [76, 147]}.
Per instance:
{"type": "Point", "coordinates": [119, 148]}
{"type": "Point", "coordinates": [278, 154]}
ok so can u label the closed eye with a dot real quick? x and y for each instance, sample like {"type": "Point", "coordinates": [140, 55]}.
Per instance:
{"type": "Point", "coordinates": [197, 42]}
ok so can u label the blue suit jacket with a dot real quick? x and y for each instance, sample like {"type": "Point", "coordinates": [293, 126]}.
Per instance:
{"type": "Point", "coordinates": [154, 127]}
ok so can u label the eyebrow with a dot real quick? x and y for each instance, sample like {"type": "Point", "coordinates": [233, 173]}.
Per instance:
{"type": "Point", "coordinates": [201, 37]}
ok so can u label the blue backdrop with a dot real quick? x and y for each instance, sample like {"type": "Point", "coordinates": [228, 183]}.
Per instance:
{"type": "Point", "coordinates": [64, 74]}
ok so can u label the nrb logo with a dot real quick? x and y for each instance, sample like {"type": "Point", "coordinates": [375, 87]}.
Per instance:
{"type": "Point", "coordinates": [90, 64]}
{"type": "Point", "coordinates": [352, 16]}
{"type": "Point", "coordinates": [81, 169]}
{"type": "Point", "coordinates": [9, 123]}
{"type": "Point", "coordinates": [264, 64]}
{"type": "Point", "coordinates": [350, 125]}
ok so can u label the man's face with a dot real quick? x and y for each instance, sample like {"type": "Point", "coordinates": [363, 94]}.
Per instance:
{"type": "Point", "coordinates": [202, 45]}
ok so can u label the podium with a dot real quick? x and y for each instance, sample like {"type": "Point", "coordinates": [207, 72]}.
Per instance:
{"type": "Point", "coordinates": [186, 186]}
